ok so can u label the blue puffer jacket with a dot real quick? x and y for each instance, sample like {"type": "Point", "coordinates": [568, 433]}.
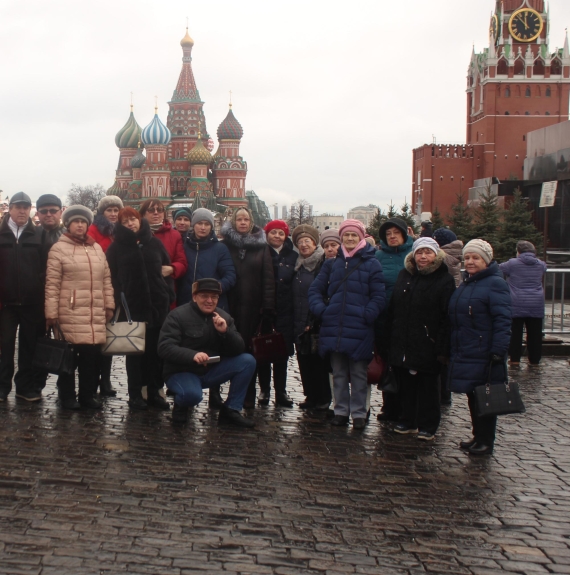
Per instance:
{"type": "Point", "coordinates": [524, 276]}
{"type": "Point", "coordinates": [392, 260]}
{"type": "Point", "coordinates": [347, 322]}
{"type": "Point", "coordinates": [480, 315]}
{"type": "Point", "coordinates": [207, 258]}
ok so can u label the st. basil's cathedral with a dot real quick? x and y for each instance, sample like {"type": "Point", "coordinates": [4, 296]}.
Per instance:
{"type": "Point", "coordinates": [179, 168]}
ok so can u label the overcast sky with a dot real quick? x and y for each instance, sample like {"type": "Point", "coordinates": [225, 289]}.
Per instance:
{"type": "Point", "coordinates": [332, 95]}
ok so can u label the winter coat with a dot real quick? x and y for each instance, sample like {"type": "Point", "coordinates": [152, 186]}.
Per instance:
{"type": "Point", "coordinates": [22, 265]}
{"type": "Point", "coordinates": [187, 331]}
{"type": "Point", "coordinates": [417, 324]}
{"type": "Point", "coordinates": [172, 241]}
{"type": "Point", "coordinates": [347, 321]}
{"type": "Point", "coordinates": [101, 230]}
{"type": "Point", "coordinates": [304, 276]}
{"type": "Point", "coordinates": [453, 257]}
{"type": "Point", "coordinates": [136, 261]}
{"type": "Point", "coordinates": [392, 260]}
{"type": "Point", "coordinates": [254, 290]}
{"type": "Point", "coordinates": [524, 276]}
{"type": "Point", "coordinates": [207, 258]}
{"type": "Point", "coordinates": [480, 315]}
{"type": "Point", "coordinates": [284, 271]}
{"type": "Point", "coordinates": [79, 290]}
{"type": "Point", "coordinates": [51, 237]}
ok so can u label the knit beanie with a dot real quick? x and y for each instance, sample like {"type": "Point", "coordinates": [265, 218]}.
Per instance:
{"type": "Point", "coordinates": [330, 236]}
{"type": "Point", "coordinates": [443, 236]}
{"type": "Point", "coordinates": [425, 242]}
{"type": "Point", "coordinates": [481, 247]}
{"type": "Point", "coordinates": [187, 212]}
{"type": "Point", "coordinates": [203, 215]}
{"type": "Point", "coordinates": [524, 247]}
{"type": "Point", "coordinates": [235, 215]}
{"type": "Point", "coordinates": [393, 223]}
{"type": "Point", "coordinates": [48, 200]}
{"type": "Point", "coordinates": [305, 231]}
{"type": "Point", "coordinates": [277, 225]}
{"type": "Point", "coordinates": [107, 202]}
{"type": "Point", "coordinates": [355, 226]}
{"type": "Point", "coordinates": [77, 213]}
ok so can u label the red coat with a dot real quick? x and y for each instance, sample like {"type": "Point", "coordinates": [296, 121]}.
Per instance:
{"type": "Point", "coordinates": [173, 243]}
{"type": "Point", "coordinates": [103, 241]}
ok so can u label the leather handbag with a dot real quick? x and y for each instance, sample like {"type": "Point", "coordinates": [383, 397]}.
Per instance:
{"type": "Point", "coordinates": [498, 398]}
{"type": "Point", "coordinates": [389, 382]}
{"type": "Point", "coordinates": [269, 348]}
{"type": "Point", "coordinates": [376, 369]}
{"type": "Point", "coordinates": [124, 337]}
{"type": "Point", "coordinates": [54, 355]}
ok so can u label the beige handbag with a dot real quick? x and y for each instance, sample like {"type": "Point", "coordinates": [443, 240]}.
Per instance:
{"type": "Point", "coordinates": [124, 337]}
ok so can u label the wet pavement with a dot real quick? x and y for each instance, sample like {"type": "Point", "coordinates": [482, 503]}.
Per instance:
{"type": "Point", "coordinates": [119, 492]}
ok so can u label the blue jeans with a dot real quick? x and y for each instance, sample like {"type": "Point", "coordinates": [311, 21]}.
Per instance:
{"type": "Point", "coordinates": [188, 386]}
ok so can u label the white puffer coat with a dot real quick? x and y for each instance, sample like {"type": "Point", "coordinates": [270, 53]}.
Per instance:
{"type": "Point", "coordinates": [78, 290]}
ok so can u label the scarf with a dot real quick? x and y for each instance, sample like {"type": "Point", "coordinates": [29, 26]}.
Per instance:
{"type": "Point", "coordinates": [155, 227]}
{"type": "Point", "coordinates": [348, 254]}
{"type": "Point", "coordinates": [312, 261]}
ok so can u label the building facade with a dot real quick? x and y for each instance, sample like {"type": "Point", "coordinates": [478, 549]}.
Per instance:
{"type": "Point", "coordinates": [516, 85]}
{"type": "Point", "coordinates": [365, 214]}
{"type": "Point", "coordinates": [325, 220]}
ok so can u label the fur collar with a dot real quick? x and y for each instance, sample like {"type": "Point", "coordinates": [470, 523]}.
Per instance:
{"type": "Point", "coordinates": [254, 239]}
{"type": "Point", "coordinates": [124, 236]}
{"type": "Point", "coordinates": [312, 261]}
{"type": "Point", "coordinates": [105, 227]}
{"type": "Point", "coordinates": [412, 268]}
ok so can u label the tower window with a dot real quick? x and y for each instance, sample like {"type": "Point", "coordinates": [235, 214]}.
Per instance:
{"type": "Point", "coordinates": [527, 92]}
{"type": "Point", "coordinates": [507, 92]}
{"type": "Point", "coordinates": [507, 114]}
{"type": "Point", "coordinates": [548, 92]}
{"type": "Point", "coordinates": [526, 114]}
{"type": "Point", "coordinates": [547, 114]}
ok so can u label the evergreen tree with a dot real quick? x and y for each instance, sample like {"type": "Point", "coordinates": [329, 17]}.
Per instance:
{"type": "Point", "coordinates": [406, 215]}
{"type": "Point", "coordinates": [392, 211]}
{"type": "Point", "coordinates": [488, 217]}
{"type": "Point", "coordinates": [374, 228]}
{"type": "Point", "coordinates": [437, 220]}
{"type": "Point", "coordinates": [517, 225]}
{"type": "Point", "coordinates": [460, 220]}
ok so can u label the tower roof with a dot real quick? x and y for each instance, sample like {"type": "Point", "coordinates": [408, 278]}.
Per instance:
{"type": "Point", "coordinates": [187, 40]}
{"type": "Point", "coordinates": [199, 154]}
{"type": "Point", "coordinates": [186, 90]}
{"type": "Point", "coordinates": [129, 135]}
{"type": "Point", "coordinates": [230, 128]}
{"type": "Point", "coordinates": [138, 159]}
{"type": "Point", "coordinates": [156, 133]}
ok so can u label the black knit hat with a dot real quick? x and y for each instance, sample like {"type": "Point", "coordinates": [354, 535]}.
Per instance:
{"type": "Point", "coordinates": [393, 223]}
{"type": "Point", "coordinates": [206, 284]}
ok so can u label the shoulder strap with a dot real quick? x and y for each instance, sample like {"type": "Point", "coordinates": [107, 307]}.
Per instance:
{"type": "Point", "coordinates": [125, 307]}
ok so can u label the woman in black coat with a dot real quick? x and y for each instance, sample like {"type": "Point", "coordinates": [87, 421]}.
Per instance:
{"type": "Point", "coordinates": [416, 336]}
{"type": "Point", "coordinates": [135, 260]}
{"type": "Point", "coordinates": [284, 258]}
{"type": "Point", "coordinates": [252, 299]}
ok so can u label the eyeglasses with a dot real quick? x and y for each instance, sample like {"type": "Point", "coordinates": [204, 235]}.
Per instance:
{"type": "Point", "coordinates": [305, 242]}
{"type": "Point", "coordinates": [155, 210]}
{"type": "Point", "coordinates": [51, 211]}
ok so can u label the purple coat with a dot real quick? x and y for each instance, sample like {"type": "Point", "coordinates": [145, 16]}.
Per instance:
{"type": "Point", "coordinates": [524, 276]}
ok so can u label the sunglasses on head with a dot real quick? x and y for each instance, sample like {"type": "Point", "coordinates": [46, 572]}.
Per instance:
{"type": "Point", "coordinates": [155, 210]}
{"type": "Point", "coordinates": [50, 211]}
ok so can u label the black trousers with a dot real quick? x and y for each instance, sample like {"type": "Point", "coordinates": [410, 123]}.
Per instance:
{"type": "Point", "coordinates": [484, 428]}
{"type": "Point", "coordinates": [86, 360]}
{"type": "Point", "coordinates": [420, 400]}
{"type": "Point", "coordinates": [145, 369]}
{"type": "Point", "coordinates": [315, 378]}
{"type": "Point", "coordinates": [533, 338]}
{"type": "Point", "coordinates": [32, 323]}
{"type": "Point", "coordinates": [104, 365]}
{"type": "Point", "coordinates": [279, 376]}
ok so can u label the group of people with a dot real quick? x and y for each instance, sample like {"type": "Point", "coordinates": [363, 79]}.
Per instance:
{"type": "Point", "coordinates": [336, 299]}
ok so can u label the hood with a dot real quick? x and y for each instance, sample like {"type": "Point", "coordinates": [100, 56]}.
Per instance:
{"type": "Point", "coordinates": [406, 246]}
{"type": "Point", "coordinates": [391, 223]}
{"type": "Point", "coordinates": [411, 267]}
{"type": "Point", "coordinates": [529, 259]}
{"type": "Point", "coordinates": [254, 239]}
{"type": "Point", "coordinates": [454, 249]}
{"type": "Point", "coordinates": [127, 237]}
{"type": "Point", "coordinates": [103, 225]}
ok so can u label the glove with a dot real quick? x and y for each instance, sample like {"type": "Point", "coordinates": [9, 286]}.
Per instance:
{"type": "Point", "coordinates": [497, 359]}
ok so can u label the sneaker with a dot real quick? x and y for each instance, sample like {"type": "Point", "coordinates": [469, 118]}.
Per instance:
{"type": "Point", "coordinates": [404, 429]}
{"type": "Point", "coordinates": [426, 436]}
{"type": "Point", "coordinates": [29, 395]}
{"type": "Point", "coordinates": [234, 417]}
{"type": "Point", "coordinates": [159, 402]}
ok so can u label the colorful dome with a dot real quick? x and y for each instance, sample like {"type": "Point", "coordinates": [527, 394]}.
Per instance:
{"type": "Point", "coordinates": [115, 190]}
{"type": "Point", "coordinates": [129, 135]}
{"type": "Point", "coordinates": [186, 41]}
{"type": "Point", "coordinates": [156, 133]}
{"type": "Point", "coordinates": [199, 155]}
{"type": "Point", "coordinates": [138, 159]}
{"type": "Point", "coordinates": [230, 128]}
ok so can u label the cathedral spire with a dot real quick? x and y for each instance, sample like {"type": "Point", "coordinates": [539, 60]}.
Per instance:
{"type": "Point", "coordinates": [186, 90]}
{"type": "Point", "coordinates": [565, 50]}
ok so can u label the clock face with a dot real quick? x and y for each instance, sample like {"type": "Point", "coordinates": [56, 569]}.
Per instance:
{"type": "Point", "coordinates": [494, 27]}
{"type": "Point", "coordinates": [525, 25]}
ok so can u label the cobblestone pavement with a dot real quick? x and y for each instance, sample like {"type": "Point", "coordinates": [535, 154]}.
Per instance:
{"type": "Point", "coordinates": [119, 492]}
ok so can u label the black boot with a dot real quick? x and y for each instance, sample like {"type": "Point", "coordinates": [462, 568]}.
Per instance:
{"type": "Point", "coordinates": [234, 417]}
{"type": "Point", "coordinates": [179, 415]}
{"type": "Point", "coordinates": [264, 397]}
{"type": "Point", "coordinates": [156, 400]}
{"type": "Point", "coordinates": [215, 400]}
{"type": "Point", "coordinates": [283, 400]}
{"type": "Point", "coordinates": [106, 389]}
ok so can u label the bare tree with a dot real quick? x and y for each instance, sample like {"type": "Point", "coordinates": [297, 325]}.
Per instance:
{"type": "Point", "coordinates": [88, 196]}
{"type": "Point", "coordinates": [301, 213]}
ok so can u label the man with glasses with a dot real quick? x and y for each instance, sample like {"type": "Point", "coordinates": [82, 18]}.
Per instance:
{"type": "Point", "coordinates": [48, 209]}
{"type": "Point", "coordinates": [23, 257]}
{"type": "Point", "coordinates": [201, 348]}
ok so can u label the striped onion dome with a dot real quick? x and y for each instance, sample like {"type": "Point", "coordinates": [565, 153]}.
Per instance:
{"type": "Point", "coordinates": [156, 133]}
{"type": "Point", "coordinates": [138, 159]}
{"type": "Point", "coordinates": [230, 128]}
{"type": "Point", "coordinates": [129, 135]}
{"type": "Point", "coordinates": [115, 190]}
{"type": "Point", "coordinates": [199, 154]}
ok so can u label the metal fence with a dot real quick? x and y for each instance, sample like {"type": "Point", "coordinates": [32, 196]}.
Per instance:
{"type": "Point", "coordinates": [556, 285]}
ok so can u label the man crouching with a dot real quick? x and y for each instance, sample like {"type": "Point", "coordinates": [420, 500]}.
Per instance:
{"type": "Point", "coordinates": [201, 348]}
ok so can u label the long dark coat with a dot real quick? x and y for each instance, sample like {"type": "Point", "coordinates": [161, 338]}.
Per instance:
{"type": "Point", "coordinates": [254, 291]}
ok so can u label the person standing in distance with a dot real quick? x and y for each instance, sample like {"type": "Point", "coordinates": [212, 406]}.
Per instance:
{"type": "Point", "coordinates": [49, 212]}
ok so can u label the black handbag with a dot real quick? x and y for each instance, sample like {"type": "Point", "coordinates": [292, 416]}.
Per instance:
{"type": "Point", "coordinates": [389, 382]}
{"type": "Point", "coordinates": [54, 355]}
{"type": "Point", "coordinates": [498, 398]}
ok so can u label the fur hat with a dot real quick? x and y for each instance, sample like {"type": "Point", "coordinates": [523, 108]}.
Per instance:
{"type": "Point", "coordinates": [330, 235]}
{"type": "Point", "coordinates": [182, 212]}
{"type": "Point", "coordinates": [203, 215]}
{"type": "Point", "coordinates": [48, 200]}
{"type": "Point", "coordinates": [355, 226]}
{"type": "Point", "coordinates": [443, 236]}
{"type": "Point", "coordinates": [206, 284]}
{"type": "Point", "coordinates": [425, 242]}
{"type": "Point", "coordinates": [481, 247]}
{"type": "Point", "coordinates": [393, 223]}
{"type": "Point", "coordinates": [77, 213]}
{"type": "Point", "coordinates": [277, 225]}
{"type": "Point", "coordinates": [305, 231]}
{"type": "Point", "coordinates": [107, 202]}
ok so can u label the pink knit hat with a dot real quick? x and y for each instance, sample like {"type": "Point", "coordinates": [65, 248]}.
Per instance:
{"type": "Point", "coordinates": [352, 226]}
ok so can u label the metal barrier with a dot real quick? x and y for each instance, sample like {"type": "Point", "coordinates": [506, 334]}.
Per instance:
{"type": "Point", "coordinates": [556, 321]}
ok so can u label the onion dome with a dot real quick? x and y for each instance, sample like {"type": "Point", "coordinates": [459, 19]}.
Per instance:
{"type": "Point", "coordinates": [199, 155]}
{"type": "Point", "coordinates": [115, 190]}
{"type": "Point", "coordinates": [187, 42]}
{"type": "Point", "coordinates": [138, 159]}
{"type": "Point", "coordinates": [156, 133]}
{"type": "Point", "coordinates": [129, 135]}
{"type": "Point", "coordinates": [230, 128]}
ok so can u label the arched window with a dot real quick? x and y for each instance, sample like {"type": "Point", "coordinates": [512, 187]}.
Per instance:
{"type": "Point", "coordinates": [507, 114]}
{"type": "Point", "coordinates": [556, 67]}
{"type": "Point", "coordinates": [519, 67]}
{"type": "Point", "coordinates": [527, 114]}
{"type": "Point", "coordinates": [507, 92]}
{"type": "Point", "coordinates": [548, 92]}
{"type": "Point", "coordinates": [538, 68]}
{"type": "Point", "coordinates": [527, 92]}
{"type": "Point", "coordinates": [502, 67]}
{"type": "Point", "coordinates": [547, 114]}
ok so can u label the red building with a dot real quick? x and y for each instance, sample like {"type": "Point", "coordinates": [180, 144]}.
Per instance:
{"type": "Point", "coordinates": [514, 86]}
